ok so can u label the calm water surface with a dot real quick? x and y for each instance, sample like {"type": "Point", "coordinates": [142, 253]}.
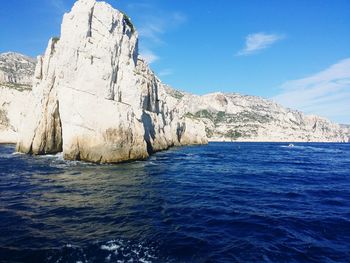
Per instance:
{"type": "Point", "coordinates": [225, 202]}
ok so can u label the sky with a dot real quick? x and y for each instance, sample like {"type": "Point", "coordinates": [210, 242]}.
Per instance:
{"type": "Point", "coordinates": [295, 52]}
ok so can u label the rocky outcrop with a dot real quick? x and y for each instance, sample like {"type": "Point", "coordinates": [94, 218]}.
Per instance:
{"type": "Point", "coordinates": [12, 105]}
{"type": "Point", "coordinates": [16, 74]}
{"type": "Point", "coordinates": [234, 117]}
{"type": "Point", "coordinates": [346, 129]}
{"type": "Point", "coordinates": [224, 117]}
{"type": "Point", "coordinates": [16, 71]}
{"type": "Point", "coordinates": [95, 100]}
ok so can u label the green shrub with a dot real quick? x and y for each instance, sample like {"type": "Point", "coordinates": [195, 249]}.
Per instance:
{"type": "Point", "coordinates": [177, 94]}
{"type": "Point", "coordinates": [3, 117]}
{"type": "Point", "coordinates": [234, 135]}
{"type": "Point", "coordinates": [55, 40]}
{"type": "Point", "coordinates": [204, 114]}
{"type": "Point", "coordinates": [127, 21]}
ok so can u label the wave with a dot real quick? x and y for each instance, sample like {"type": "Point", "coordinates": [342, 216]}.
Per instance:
{"type": "Point", "coordinates": [312, 148]}
{"type": "Point", "coordinates": [111, 251]}
{"type": "Point", "coordinates": [262, 204]}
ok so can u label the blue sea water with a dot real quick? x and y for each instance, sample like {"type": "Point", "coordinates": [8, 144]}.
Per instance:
{"type": "Point", "coordinates": [224, 202]}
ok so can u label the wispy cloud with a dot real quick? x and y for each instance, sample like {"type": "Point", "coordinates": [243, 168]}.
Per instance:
{"type": "Point", "coordinates": [165, 72]}
{"type": "Point", "coordinates": [153, 23]}
{"type": "Point", "coordinates": [59, 5]}
{"type": "Point", "coordinates": [257, 42]}
{"type": "Point", "coordinates": [139, 5]}
{"type": "Point", "coordinates": [148, 56]}
{"type": "Point", "coordinates": [152, 30]}
{"type": "Point", "coordinates": [326, 93]}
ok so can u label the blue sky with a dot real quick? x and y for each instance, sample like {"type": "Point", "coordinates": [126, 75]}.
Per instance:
{"type": "Point", "coordinates": [294, 51]}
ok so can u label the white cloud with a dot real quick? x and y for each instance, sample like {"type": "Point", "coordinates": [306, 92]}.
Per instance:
{"type": "Point", "coordinates": [152, 31]}
{"type": "Point", "coordinates": [154, 26]}
{"type": "Point", "coordinates": [258, 41]}
{"type": "Point", "coordinates": [178, 18]}
{"type": "Point", "coordinates": [153, 23]}
{"type": "Point", "coordinates": [165, 72]}
{"type": "Point", "coordinates": [326, 93]}
{"type": "Point", "coordinates": [59, 5]}
{"type": "Point", "coordinates": [148, 56]}
{"type": "Point", "coordinates": [139, 5]}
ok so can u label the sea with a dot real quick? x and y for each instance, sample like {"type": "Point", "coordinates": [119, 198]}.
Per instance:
{"type": "Point", "coordinates": [222, 202]}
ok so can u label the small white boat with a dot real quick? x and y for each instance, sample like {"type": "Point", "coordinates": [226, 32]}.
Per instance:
{"type": "Point", "coordinates": [291, 145]}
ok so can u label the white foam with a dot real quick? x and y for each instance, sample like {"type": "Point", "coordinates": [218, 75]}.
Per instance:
{"type": "Point", "coordinates": [58, 156]}
{"type": "Point", "coordinates": [18, 153]}
{"type": "Point", "coordinates": [313, 148]}
{"type": "Point", "coordinates": [110, 246]}
{"type": "Point", "coordinates": [108, 258]}
{"type": "Point", "coordinates": [131, 252]}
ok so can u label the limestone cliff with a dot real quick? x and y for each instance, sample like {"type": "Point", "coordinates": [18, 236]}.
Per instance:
{"type": "Point", "coordinates": [346, 129]}
{"type": "Point", "coordinates": [16, 70]}
{"type": "Point", "coordinates": [94, 99]}
{"type": "Point", "coordinates": [235, 117]}
{"type": "Point", "coordinates": [16, 74]}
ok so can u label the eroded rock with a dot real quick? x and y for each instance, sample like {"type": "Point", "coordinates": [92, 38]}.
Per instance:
{"type": "Point", "coordinates": [95, 99]}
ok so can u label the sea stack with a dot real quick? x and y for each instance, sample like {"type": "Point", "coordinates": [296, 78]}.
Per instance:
{"type": "Point", "coordinates": [95, 99]}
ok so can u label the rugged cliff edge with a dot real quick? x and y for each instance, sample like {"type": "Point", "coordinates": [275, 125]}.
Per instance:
{"type": "Point", "coordinates": [16, 71]}
{"type": "Point", "coordinates": [94, 99]}
{"type": "Point", "coordinates": [346, 130]}
{"type": "Point", "coordinates": [235, 117]}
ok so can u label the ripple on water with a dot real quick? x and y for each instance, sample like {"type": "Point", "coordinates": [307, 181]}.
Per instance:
{"type": "Point", "coordinates": [224, 202]}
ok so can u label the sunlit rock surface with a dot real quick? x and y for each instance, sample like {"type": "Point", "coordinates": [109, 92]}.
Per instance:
{"type": "Point", "coordinates": [235, 117]}
{"type": "Point", "coordinates": [16, 74]}
{"type": "Point", "coordinates": [95, 99]}
{"type": "Point", "coordinates": [16, 70]}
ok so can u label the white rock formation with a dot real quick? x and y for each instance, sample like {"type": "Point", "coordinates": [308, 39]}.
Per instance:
{"type": "Point", "coordinates": [16, 74]}
{"type": "Point", "coordinates": [94, 99]}
{"type": "Point", "coordinates": [234, 117]}
{"type": "Point", "coordinates": [346, 129]}
{"type": "Point", "coordinates": [12, 105]}
{"type": "Point", "coordinates": [16, 70]}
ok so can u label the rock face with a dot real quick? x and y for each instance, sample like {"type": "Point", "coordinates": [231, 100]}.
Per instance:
{"type": "Point", "coordinates": [234, 117]}
{"type": "Point", "coordinates": [16, 70]}
{"type": "Point", "coordinates": [346, 129]}
{"type": "Point", "coordinates": [95, 100]}
{"type": "Point", "coordinates": [16, 74]}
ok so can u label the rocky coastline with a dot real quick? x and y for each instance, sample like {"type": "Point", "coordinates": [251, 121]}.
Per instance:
{"type": "Point", "coordinates": [92, 97]}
